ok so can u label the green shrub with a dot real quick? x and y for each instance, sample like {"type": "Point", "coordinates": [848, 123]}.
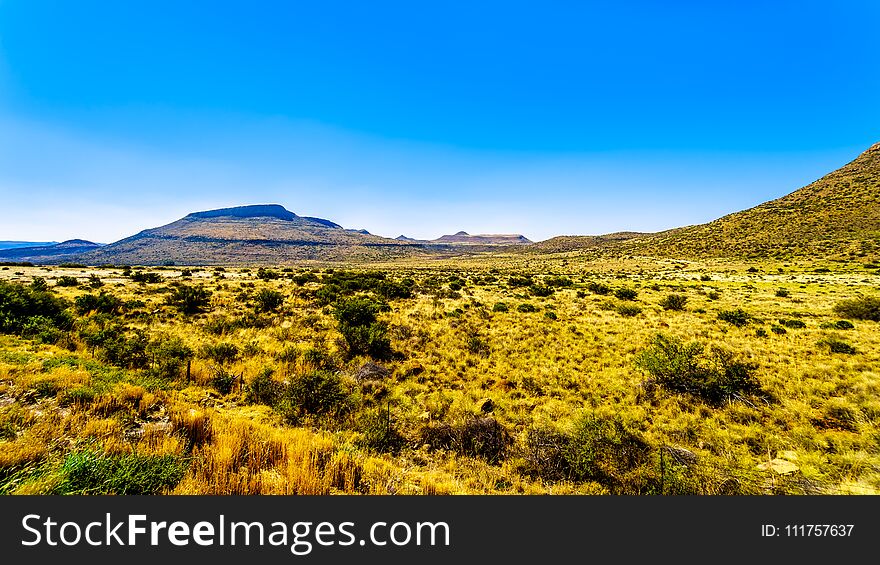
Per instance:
{"type": "Point", "coordinates": [362, 332]}
{"type": "Point", "coordinates": [145, 277]}
{"type": "Point", "coordinates": [267, 274]}
{"type": "Point", "coordinates": [838, 325]}
{"type": "Point", "coordinates": [593, 448]}
{"type": "Point", "coordinates": [865, 308]}
{"type": "Point", "coordinates": [837, 345]}
{"type": "Point", "coordinates": [628, 310]}
{"type": "Point", "coordinates": [221, 353]}
{"type": "Point", "coordinates": [19, 304]}
{"type": "Point", "coordinates": [391, 290]}
{"type": "Point", "coordinates": [525, 307]}
{"type": "Point", "coordinates": [189, 299]}
{"type": "Point", "coordinates": [39, 284]}
{"type": "Point", "coordinates": [263, 389]}
{"type": "Point", "coordinates": [625, 294]}
{"type": "Point", "coordinates": [540, 290]}
{"type": "Point", "coordinates": [116, 344]}
{"type": "Point", "coordinates": [738, 317]}
{"type": "Point", "coordinates": [500, 307]}
{"type": "Point", "coordinates": [104, 303]}
{"type": "Point", "coordinates": [223, 381]}
{"type": "Point", "coordinates": [792, 324]}
{"type": "Point", "coordinates": [598, 288]}
{"type": "Point", "coordinates": [518, 281]}
{"type": "Point", "coordinates": [550, 315]}
{"type": "Point", "coordinates": [66, 281]}
{"type": "Point", "coordinates": [674, 302]}
{"type": "Point", "coordinates": [168, 355]}
{"type": "Point", "coordinates": [558, 281]}
{"type": "Point", "coordinates": [314, 393]}
{"type": "Point", "coordinates": [268, 300]}
{"type": "Point", "coordinates": [42, 329]}
{"type": "Point", "coordinates": [782, 293]}
{"type": "Point", "coordinates": [379, 431]}
{"type": "Point", "coordinates": [477, 345]}
{"type": "Point", "coordinates": [778, 330]}
{"type": "Point", "coordinates": [714, 375]}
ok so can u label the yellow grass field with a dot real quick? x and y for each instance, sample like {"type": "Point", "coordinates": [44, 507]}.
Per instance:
{"type": "Point", "coordinates": [505, 375]}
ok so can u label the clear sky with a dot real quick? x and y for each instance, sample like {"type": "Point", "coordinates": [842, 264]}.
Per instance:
{"type": "Point", "coordinates": [424, 118]}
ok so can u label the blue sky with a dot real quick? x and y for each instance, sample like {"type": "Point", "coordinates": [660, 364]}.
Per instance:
{"type": "Point", "coordinates": [542, 118]}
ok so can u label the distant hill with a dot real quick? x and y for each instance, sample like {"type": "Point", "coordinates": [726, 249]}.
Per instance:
{"type": "Point", "coordinates": [564, 243]}
{"type": "Point", "coordinates": [54, 253]}
{"type": "Point", "coordinates": [835, 216]}
{"type": "Point", "coordinates": [482, 239]}
{"type": "Point", "coordinates": [18, 244]}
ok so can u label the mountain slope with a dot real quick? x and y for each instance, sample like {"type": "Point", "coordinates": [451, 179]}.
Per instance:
{"type": "Point", "coordinates": [835, 216]}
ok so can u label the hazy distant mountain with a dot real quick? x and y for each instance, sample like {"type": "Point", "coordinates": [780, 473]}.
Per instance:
{"type": "Point", "coordinates": [54, 253]}
{"type": "Point", "coordinates": [19, 244]}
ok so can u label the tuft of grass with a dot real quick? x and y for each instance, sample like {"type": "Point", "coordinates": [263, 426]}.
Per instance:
{"type": "Point", "coordinates": [97, 472]}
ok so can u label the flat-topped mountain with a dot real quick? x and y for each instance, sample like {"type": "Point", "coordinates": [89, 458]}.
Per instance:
{"type": "Point", "coordinates": [262, 233]}
{"type": "Point", "coordinates": [483, 239]}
